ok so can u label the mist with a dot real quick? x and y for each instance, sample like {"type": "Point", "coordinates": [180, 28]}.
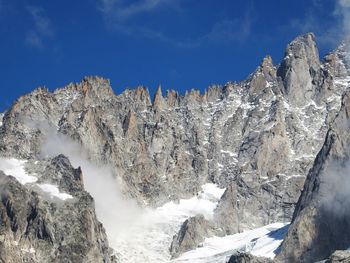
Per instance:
{"type": "Point", "coordinates": [114, 211]}
{"type": "Point", "coordinates": [335, 191]}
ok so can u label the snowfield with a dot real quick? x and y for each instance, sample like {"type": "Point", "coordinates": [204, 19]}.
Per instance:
{"type": "Point", "coordinates": [263, 242]}
{"type": "Point", "coordinates": [148, 239]}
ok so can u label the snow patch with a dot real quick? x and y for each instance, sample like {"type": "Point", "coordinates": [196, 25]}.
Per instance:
{"type": "Point", "coordinates": [263, 241]}
{"type": "Point", "coordinates": [1, 118]}
{"type": "Point", "coordinates": [15, 168]}
{"type": "Point", "coordinates": [202, 204]}
{"type": "Point", "coordinates": [53, 191]}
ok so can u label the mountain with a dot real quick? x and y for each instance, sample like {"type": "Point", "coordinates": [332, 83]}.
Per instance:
{"type": "Point", "coordinates": [164, 175]}
{"type": "Point", "coordinates": [321, 221]}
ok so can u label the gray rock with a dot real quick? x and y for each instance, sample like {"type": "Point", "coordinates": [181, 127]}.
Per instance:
{"type": "Point", "coordinates": [244, 206]}
{"type": "Point", "coordinates": [340, 256]}
{"type": "Point", "coordinates": [35, 227]}
{"type": "Point", "coordinates": [1, 116]}
{"type": "Point", "coordinates": [298, 69]}
{"type": "Point", "coordinates": [192, 232]}
{"type": "Point", "coordinates": [242, 257]}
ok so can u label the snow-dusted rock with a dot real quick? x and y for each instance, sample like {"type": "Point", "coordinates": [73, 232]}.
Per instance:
{"type": "Point", "coordinates": [257, 139]}
{"type": "Point", "coordinates": [39, 223]}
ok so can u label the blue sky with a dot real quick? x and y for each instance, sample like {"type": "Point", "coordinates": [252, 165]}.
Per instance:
{"type": "Point", "coordinates": [180, 44]}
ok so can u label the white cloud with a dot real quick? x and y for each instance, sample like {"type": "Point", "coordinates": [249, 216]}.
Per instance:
{"type": "Point", "coordinates": [121, 11]}
{"type": "Point", "coordinates": [41, 29]}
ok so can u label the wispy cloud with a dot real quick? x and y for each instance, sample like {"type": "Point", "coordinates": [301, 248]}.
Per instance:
{"type": "Point", "coordinates": [343, 11]}
{"type": "Point", "coordinates": [121, 11]}
{"type": "Point", "coordinates": [225, 31]}
{"type": "Point", "coordinates": [41, 29]}
{"type": "Point", "coordinates": [327, 33]}
{"type": "Point", "coordinates": [119, 15]}
{"type": "Point", "coordinates": [235, 30]}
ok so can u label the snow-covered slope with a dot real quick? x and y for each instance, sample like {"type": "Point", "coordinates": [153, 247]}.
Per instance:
{"type": "Point", "coordinates": [263, 241]}
{"type": "Point", "coordinates": [149, 237]}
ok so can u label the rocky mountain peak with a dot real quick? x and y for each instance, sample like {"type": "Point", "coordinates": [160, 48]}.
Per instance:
{"type": "Point", "coordinates": [268, 69]}
{"type": "Point", "coordinates": [338, 61]}
{"type": "Point", "coordinates": [95, 85]}
{"type": "Point", "coordinates": [172, 98]}
{"type": "Point", "coordinates": [158, 101]}
{"type": "Point", "coordinates": [303, 47]}
{"type": "Point", "coordinates": [138, 95]}
{"type": "Point", "coordinates": [298, 69]}
{"type": "Point", "coordinates": [193, 96]}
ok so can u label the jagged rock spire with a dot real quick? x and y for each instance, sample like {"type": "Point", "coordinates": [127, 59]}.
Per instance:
{"type": "Point", "coordinates": [298, 69]}
{"type": "Point", "coordinates": [158, 102]}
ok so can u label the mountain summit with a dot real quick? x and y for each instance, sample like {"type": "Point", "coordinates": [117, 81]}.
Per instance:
{"type": "Point", "coordinates": [171, 177]}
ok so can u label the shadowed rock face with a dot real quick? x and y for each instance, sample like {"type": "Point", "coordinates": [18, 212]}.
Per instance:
{"type": "Point", "coordinates": [247, 258]}
{"type": "Point", "coordinates": [35, 227]}
{"type": "Point", "coordinates": [257, 138]}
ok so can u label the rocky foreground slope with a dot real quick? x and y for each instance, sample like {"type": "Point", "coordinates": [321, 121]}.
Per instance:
{"type": "Point", "coordinates": [257, 139]}
{"type": "Point", "coordinates": [39, 224]}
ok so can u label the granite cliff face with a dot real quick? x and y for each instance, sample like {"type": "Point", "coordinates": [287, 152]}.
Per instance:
{"type": "Point", "coordinates": [257, 139]}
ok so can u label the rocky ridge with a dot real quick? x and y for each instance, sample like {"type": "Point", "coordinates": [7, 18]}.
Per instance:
{"type": "Point", "coordinates": [257, 138]}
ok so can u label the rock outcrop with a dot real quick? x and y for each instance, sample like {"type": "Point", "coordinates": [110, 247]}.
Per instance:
{"type": "Point", "coordinates": [38, 227]}
{"type": "Point", "coordinates": [192, 232]}
{"type": "Point", "coordinates": [241, 257]}
{"type": "Point", "coordinates": [339, 256]}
